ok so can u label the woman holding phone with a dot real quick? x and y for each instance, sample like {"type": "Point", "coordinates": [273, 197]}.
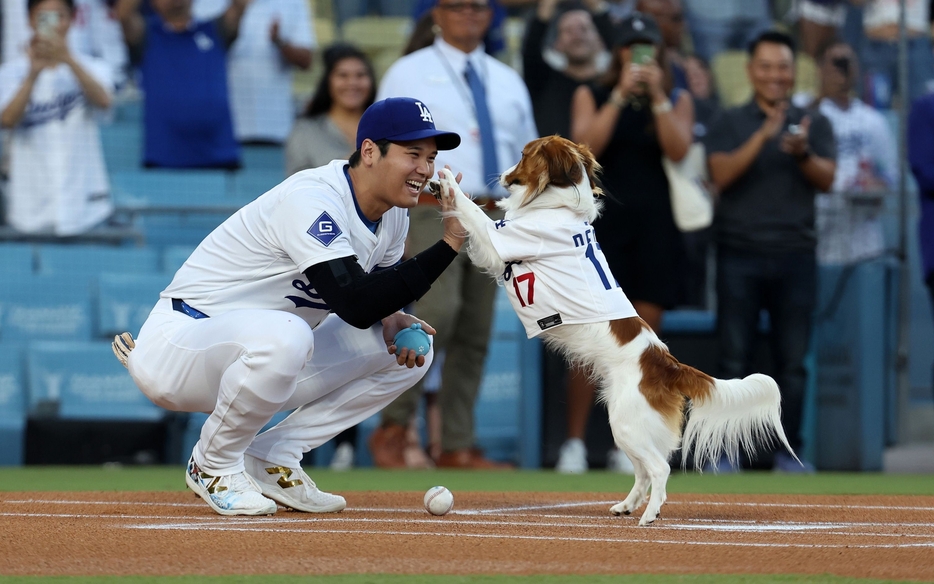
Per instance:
{"type": "Point", "coordinates": [630, 119]}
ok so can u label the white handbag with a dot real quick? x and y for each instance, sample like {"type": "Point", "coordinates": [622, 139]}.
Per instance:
{"type": "Point", "coordinates": [691, 204]}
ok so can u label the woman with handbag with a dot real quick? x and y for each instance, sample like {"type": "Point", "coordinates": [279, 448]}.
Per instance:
{"type": "Point", "coordinates": [631, 119]}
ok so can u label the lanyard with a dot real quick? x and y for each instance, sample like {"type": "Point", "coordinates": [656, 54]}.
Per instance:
{"type": "Point", "coordinates": [460, 83]}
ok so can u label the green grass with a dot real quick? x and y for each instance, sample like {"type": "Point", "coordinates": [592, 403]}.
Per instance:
{"type": "Point", "coordinates": [170, 478]}
{"type": "Point", "coordinates": [423, 579]}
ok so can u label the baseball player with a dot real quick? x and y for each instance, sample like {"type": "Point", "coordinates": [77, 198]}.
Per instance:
{"type": "Point", "coordinates": [245, 329]}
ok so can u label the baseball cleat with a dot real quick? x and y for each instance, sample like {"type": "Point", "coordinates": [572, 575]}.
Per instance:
{"type": "Point", "coordinates": [291, 487]}
{"type": "Point", "coordinates": [234, 494]}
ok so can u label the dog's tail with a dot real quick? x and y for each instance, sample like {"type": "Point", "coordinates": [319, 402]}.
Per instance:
{"type": "Point", "coordinates": [731, 414]}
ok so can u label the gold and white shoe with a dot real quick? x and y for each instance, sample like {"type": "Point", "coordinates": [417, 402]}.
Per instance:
{"type": "Point", "coordinates": [234, 494]}
{"type": "Point", "coordinates": [291, 487]}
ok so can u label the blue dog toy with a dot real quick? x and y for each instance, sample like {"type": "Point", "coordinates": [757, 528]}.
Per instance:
{"type": "Point", "coordinates": [413, 339]}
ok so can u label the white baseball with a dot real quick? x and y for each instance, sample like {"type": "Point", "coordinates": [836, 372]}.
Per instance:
{"type": "Point", "coordinates": [439, 500]}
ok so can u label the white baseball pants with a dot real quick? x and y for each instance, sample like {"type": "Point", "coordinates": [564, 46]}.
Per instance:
{"type": "Point", "coordinates": [245, 366]}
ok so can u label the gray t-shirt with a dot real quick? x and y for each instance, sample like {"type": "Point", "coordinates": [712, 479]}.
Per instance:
{"type": "Point", "coordinates": [314, 142]}
{"type": "Point", "coordinates": [770, 208]}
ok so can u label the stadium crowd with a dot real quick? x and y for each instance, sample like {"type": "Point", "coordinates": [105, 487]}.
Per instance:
{"type": "Point", "coordinates": [777, 109]}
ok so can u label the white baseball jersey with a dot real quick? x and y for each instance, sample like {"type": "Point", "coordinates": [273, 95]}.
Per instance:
{"type": "Point", "coordinates": [255, 259]}
{"type": "Point", "coordinates": [555, 272]}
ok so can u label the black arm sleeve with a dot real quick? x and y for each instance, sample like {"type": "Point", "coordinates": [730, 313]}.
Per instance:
{"type": "Point", "coordinates": [362, 300]}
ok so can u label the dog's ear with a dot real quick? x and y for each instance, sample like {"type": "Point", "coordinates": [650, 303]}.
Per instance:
{"type": "Point", "coordinates": [563, 160]}
{"type": "Point", "coordinates": [591, 167]}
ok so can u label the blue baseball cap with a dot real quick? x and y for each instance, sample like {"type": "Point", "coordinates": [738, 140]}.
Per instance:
{"type": "Point", "coordinates": [400, 119]}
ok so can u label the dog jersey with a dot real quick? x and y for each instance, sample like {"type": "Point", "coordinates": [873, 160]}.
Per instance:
{"type": "Point", "coordinates": [555, 272]}
{"type": "Point", "coordinates": [256, 258]}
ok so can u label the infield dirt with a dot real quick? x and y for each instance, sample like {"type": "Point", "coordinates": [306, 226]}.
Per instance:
{"type": "Point", "coordinates": [157, 533]}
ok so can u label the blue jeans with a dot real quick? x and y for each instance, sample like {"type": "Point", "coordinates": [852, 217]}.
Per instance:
{"type": "Point", "coordinates": [880, 70]}
{"type": "Point", "coordinates": [785, 285]}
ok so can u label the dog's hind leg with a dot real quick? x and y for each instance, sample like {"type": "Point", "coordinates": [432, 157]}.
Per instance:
{"type": "Point", "coordinates": [639, 493]}
{"type": "Point", "coordinates": [657, 466]}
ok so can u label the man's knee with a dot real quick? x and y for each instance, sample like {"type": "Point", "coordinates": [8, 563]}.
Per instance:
{"type": "Point", "coordinates": [284, 347]}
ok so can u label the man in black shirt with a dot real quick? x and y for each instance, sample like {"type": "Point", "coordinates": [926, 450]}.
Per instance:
{"type": "Point", "coordinates": [769, 159]}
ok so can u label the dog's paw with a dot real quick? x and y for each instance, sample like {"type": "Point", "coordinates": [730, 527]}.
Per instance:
{"type": "Point", "coordinates": [449, 186]}
{"type": "Point", "coordinates": [620, 509]}
{"type": "Point", "coordinates": [648, 519]}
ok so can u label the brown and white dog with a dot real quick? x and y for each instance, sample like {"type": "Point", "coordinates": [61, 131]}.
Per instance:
{"type": "Point", "coordinates": [643, 386]}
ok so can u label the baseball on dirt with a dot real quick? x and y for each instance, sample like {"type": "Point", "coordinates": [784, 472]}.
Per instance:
{"type": "Point", "coordinates": [439, 500]}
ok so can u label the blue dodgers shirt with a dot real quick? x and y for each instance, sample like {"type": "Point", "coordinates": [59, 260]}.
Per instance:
{"type": "Point", "coordinates": [187, 111]}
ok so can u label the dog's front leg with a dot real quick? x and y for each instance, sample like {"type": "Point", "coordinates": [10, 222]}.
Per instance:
{"type": "Point", "coordinates": [480, 247]}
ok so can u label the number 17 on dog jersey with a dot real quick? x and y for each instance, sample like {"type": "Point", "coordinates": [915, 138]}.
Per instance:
{"type": "Point", "coordinates": [555, 272]}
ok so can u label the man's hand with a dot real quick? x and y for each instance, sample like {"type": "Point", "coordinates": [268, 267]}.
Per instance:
{"type": "Point", "coordinates": [774, 121]}
{"type": "Point", "coordinates": [795, 141]}
{"type": "Point", "coordinates": [394, 323]}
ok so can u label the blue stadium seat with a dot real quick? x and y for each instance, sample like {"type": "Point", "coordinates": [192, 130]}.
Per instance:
{"type": "Point", "coordinates": [125, 300]}
{"type": "Point", "coordinates": [122, 143]}
{"type": "Point", "coordinates": [248, 184]}
{"type": "Point", "coordinates": [83, 381]}
{"type": "Point", "coordinates": [183, 229]}
{"type": "Point", "coordinates": [16, 258]}
{"type": "Point", "coordinates": [45, 307]}
{"type": "Point", "coordinates": [129, 111]}
{"type": "Point", "coordinates": [174, 256]}
{"type": "Point", "coordinates": [12, 405]}
{"type": "Point", "coordinates": [263, 158]}
{"type": "Point", "coordinates": [91, 259]}
{"type": "Point", "coordinates": [169, 189]}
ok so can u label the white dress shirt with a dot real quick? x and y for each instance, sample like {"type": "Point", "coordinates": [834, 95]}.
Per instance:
{"type": "Point", "coordinates": [435, 76]}
{"type": "Point", "coordinates": [260, 79]}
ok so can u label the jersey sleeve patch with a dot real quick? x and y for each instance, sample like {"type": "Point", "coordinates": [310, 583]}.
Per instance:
{"type": "Point", "coordinates": [324, 229]}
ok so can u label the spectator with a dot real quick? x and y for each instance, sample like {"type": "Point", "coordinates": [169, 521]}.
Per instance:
{"type": "Point", "coordinates": [718, 25]}
{"type": "Point", "coordinates": [329, 126]}
{"type": "Point", "coordinates": [93, 32]}
{"type": "Point", "coordinates": [344, 10]}
{"type": "Point", "coordinates": [850, 230]}
{"type": "Point", "coordinates": [478, 96]}
{"type": "Point", "coordinates": [700, 84]}
{"type": "Point", "coordinates": [669, 14]}
{"type": "Point", "coordinates": [769, 159]}
{"type": "Point", "coordinates": [578, 32]}
{"type": "Point", "coordinates": [275, 37]}
{"type": "Point", "coordinates": [819, 22]}
{"type": "Point", "coordinates": [630, 120]}
{"type": "Point", "coordinates": [494, 41]}
{"type": "Point", "coordinates": [184, 78]}
{"type": "Point", "coordinates": [921, 158]}
{"type": "Point", "coordinates": [58, 183]}
{"type": "Point", "coordinates": [880, 50]}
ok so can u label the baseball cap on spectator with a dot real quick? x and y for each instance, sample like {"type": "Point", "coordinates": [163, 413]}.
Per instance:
{"type": "Point", "coordinates": [401, 119]}
{"type": "Point", "coordinates": [637, 28]}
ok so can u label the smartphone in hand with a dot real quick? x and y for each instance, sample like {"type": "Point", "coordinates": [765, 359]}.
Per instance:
{"type": "Point", "coordinates": [642, 53]}
{"type": "Point", "coordinates": [47, 23]}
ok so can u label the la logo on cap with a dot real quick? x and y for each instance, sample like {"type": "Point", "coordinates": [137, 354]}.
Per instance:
{"type": "Point", "coordinates": [426, 115]}
{"type": "Point", "coordinates": [638, 24]}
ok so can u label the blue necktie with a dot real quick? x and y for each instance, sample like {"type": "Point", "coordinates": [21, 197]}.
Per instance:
{"type": "Point", "coordinates": [485, 123]}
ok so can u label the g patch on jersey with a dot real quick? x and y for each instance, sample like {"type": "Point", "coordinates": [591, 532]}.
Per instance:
{"type": "Point", "coordinates": [324, 229]}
